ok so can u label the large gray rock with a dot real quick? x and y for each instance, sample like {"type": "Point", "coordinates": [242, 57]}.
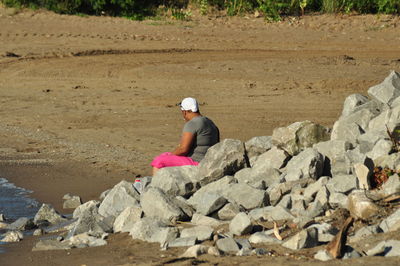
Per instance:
{"type": "Point", "coordinates": [311, 190]}
{"type": "Point", "coordinates": [90, 206]}
{"type": "Point", "coordinates": [121, 196]}
{"type": "Point", "coordinates": [227, 245]}
{"type": "Point", "coordinates": [224, 158]}
{"type": "Point", "coordinates": [22, 223]}
{"type": "Point", "coordinates": [391, 161]}
{"type": "Point", "coordinates": [216, 187]}
{"type": "Point", "coordinates": [175, 181]}
{"type": "Point", "coordinates": [183, 242]}
{"type": "Point", "coordinates": [199, 219]}
{"type": "Point", "coordinates": [366, 142]}
{"type": "Point", "coordinates": [151, 229]}
{"type": "Point", "coordinates": [333, 148]}
{"type": "Point", "coordinates": [338, 200]}
{"type": "Point", "coordinates": [342, 184]}
{"type": "Point", "coordinates": [271, 213]}
{"type": "Point", "coordinates": [259, 178]}
{"type": "Point", "coordinates": [208, 203]}
{"type": "Point", "coordinates": [85, 240]}
{"type": "Point", "coordinates": [201, 232]}
{"type": "Point", "coordinates": [155, 203]}
{"type": "Point", "coordinates": [388, 248]}
{"type": "Point", "coordinates": [274, 158]}
{"type": "Point", "coordinates": [90, 221]}
{"type": "Point", "coordinates": [364, 232]}
{"type": "Point", "coordinates": [246, 196]}
{"type": "Point", "coordinates": [12, 236]}
{"type": "Point", "coordinates": [71, 201]}
{"type": "Point", "coordinates": [277, 191]}
{"type": "Point", "coordinates": [391, 223]}
{"type": "Point", "coordinates": [349, 128]}
{"type": "Point", "coordinates": [308, 164]}
{"type": "Point", "coordinates": [387, 120]}
{"type": "Point", "coordinates": [48, 213]}
{"type": "Point", "coordinates": [263, 238]}
{"type": "Point", "coordinates": [387, 91]}
{"type": "Point", "coordinates": [257, 146]}
{"type": "Point", "coordinates": [392, 185]}
{"type": "Point", "coordinates": [241, 224]}
{"type": "Point", "coordinates": [352, 102]}
{"type": "Point", "coordinates": [304, 239]}
{"type": "Point", "coordinates": [128, 217]}
{"type": "Point", "coordinates": [298, 136]}
{"type": "Point", "coordinates": [381, 148]}
{"type": "Point", "coordinates": [50, 244]}
{"type": "Point", "coordinates": [229, 211]}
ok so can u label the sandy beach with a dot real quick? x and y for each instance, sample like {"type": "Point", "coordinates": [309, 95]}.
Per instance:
{"type": "Point", "coordinates": [88, 101]}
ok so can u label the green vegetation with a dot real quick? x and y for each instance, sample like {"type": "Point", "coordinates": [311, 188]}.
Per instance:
{"type": "Point", "coordinates": [271, 9]}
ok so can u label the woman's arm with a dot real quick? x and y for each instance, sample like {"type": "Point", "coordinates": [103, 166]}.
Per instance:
{"type": "Point", "coordinates": [185, 145]}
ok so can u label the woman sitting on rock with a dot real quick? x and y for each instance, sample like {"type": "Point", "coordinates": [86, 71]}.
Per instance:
{"type": "Point", "coordinates": [199, 134]}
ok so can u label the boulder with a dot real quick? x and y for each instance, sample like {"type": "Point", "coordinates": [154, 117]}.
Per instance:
{"type": "Point", "coordinates": [312, 189]}
{"type": "Point", "coordinates": [50, 244]}
{"type": "Point", "coordinates": [22, 223]}
{"type": "Point", "coordinates": [274, 158]}
{"type": "Point", "coordinates": [120, 196]}
{"type": "Point", "coordinates": [323, 255]}
{"type": "Point", "coordinates": [381, 148]}
{"type": "Point", "coordinates": [387, 91]}
{"type": "Point", "coordinates": [349, 128]}
{"type": "Point", "coordinates": [386, 120]}
{"type": "Point", "coordinates": [271, 213]}
{"type": "Point", "coordinates": [322, 196]}
{"type": "Point", "coordinates": [392, 185]}
{"type": "Point", "coordinates": [85, 240]}
{"type": "Point", "coordinates": [391, 223]}
{"type": "Point", "coordinates": [71, 201]}
{"type": "Point", "coordinates": [364, 232]}
{"type": "Point", "coordinates": [391, 161]}
{"type": "Point", "coordinates": [241, 224]}
{"type": "Point", "coordinates": [183, 242]}
{"type": "Point", "coordinates": [361, 206]}
{"type": "Point", "coordinates": [285, 202]}
{"type": "Point", "coordinates": [229, 211]}
{"type": "Point", "coordinates": [194, 251]}
{"type": "Point", "coordinates": [388, 248]}
{"type": "Point", "coordinates": [90, 221]}
{"type": "Point", "coordinates": [304, 239]}
{"type": "Point", "coordinates": [277, 191]}
{"type": "Point", "coordinates": [201, 232]}
{"type": "Point", "coordinates": [259, 178]}
{"type": "Point", "coordinates": [342, 184]}
{"type": "Point", "coordinates": [199, 219]}
{"type": "Point", "coordinates": [175, 181]}
{"type": "Point", "coordinates": [298, 136]}
{"type": "Point", "coordinates": [307, 164]}
{"type": "Point", "coordinates": [208, 203]}
{"type": "Point", "coordinates": [127, 218]}
{"type": "Point", "coordinates": [224, 158]}
{"type": "Point", "coordinates": [155, 203]}
{"type": "Point", "coordinates": [257, 146]}
{"type": "Point", "coordinates": [227, 245]}
{"type": "Point", "coordinates": [368, 140]}
{"type": "Point", "coordinates": [12, 236]}
{"type": "Point", "coordinates": [216, 187]}
{"type": "Point", "coordinates": [48, 213]}
{"type": "Point", "coordinates": [246, 196]}
{"type": "Point", "coordinates": [338, 200]}
{"type": "Point", "coordinates": [263, 238]}
{"type": "Point", "coordinates": [352, 102]}
{"type": "Point", "coordinates": [90, 206]}
{"type": "Point", "coordinates": [152, 229]}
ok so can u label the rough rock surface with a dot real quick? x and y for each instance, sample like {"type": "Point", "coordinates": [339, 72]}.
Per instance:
{"type": "Point", "coordinates": [48, 213]}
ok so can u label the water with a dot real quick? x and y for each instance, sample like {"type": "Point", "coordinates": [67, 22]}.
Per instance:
{"type": "Point", "coordinates": [15, 202]}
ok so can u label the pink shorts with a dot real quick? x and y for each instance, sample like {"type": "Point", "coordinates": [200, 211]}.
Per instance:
{"type": "Point", "coordinates": [167, 159]}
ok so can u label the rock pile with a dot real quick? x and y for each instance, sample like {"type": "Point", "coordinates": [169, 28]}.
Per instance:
{"type": "Point", "coordinates": [286, 189]}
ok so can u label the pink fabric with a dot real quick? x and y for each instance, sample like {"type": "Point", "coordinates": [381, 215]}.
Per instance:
{"type": "Point", "coordinates": [168, 159]}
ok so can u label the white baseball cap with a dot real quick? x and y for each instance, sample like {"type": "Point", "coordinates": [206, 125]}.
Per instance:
{"type": "Point", "coordinates": [189, 104]}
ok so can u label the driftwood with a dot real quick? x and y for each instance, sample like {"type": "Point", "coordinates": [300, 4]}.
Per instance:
{"type": "Point", "coordinates": [336, 247]}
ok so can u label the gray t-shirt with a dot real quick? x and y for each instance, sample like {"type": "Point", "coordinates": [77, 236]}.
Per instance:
{"type": "Point", "coordinates": [205, 133]}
